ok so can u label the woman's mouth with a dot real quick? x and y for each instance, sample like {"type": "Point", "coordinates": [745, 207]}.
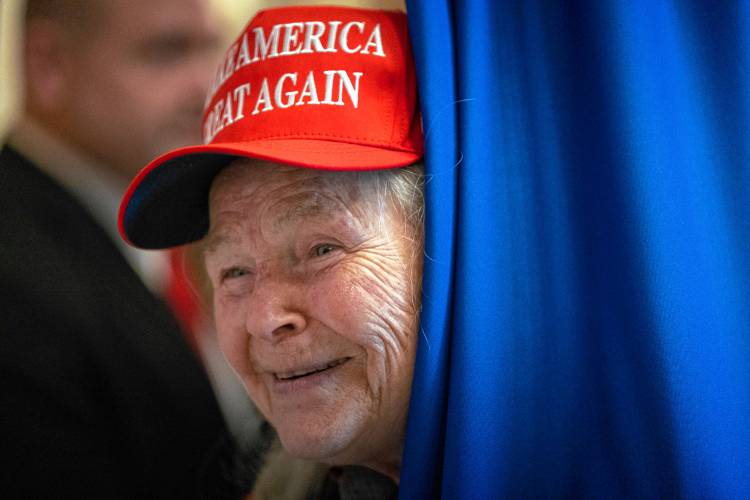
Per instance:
{"type": "Point", "coordinates": [307, 371]}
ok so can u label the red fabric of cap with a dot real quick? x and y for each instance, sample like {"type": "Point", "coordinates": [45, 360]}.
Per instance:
{"type": "Point", "coordinates": [318, 74]}
{"type": "Point", "coordinates": [319, 87]}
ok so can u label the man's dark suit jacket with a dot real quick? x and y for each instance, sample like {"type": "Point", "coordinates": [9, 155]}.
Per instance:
{"type": "Point", "coordinates": [100, 397]}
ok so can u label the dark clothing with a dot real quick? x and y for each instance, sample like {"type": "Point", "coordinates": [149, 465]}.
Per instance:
{"type": "Point", "coordinates": [357, 483]}
{"type": "Point", "coordinates": [100, 397]}
{"type": "Point", "coordinates": [239, 464]}
{"type": "Point", "coordinates": [339, 483]}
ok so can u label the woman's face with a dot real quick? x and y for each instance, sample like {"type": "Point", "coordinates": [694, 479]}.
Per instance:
{"type": "Point", "coordinates": [315, 296]}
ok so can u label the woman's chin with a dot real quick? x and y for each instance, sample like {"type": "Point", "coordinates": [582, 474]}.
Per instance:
{"type": "Point", "coordinates": [331, 441]}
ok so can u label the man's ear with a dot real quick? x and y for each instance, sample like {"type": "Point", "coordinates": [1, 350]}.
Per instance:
{"type": "Point", "coordinates": [46, 65]}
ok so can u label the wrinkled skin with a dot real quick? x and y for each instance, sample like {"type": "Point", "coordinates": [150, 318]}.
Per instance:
{"type": "Point", "coordinates": [309, 273]}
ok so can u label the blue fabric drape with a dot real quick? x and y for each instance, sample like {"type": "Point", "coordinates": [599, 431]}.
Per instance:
{"type": "Point", "coordinates": [586, 307]}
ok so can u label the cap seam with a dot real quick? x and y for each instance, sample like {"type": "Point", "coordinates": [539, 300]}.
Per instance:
{"type": "Point", "coordinates": [394, 98]}
{"type": "Point", "coordinates": [297, 135]}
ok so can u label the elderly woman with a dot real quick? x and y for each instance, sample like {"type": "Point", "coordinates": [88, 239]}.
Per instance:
{"type": "Point", "coordinates": [316, 270]}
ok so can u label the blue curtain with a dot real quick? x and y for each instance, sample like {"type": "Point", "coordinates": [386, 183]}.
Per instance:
{"type": "Point", "coordinates": [586, 307]}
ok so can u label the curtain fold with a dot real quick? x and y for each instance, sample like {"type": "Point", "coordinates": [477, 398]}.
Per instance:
{"type": "Point", "coordinates": [586, 306]}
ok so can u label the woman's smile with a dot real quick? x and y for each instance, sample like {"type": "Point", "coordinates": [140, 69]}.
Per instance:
{"type": "Point", "coordinates": [303, 379]}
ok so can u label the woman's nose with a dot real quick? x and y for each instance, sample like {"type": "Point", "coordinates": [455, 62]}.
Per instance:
{"type": "Point", "coordinates": [274, 311]}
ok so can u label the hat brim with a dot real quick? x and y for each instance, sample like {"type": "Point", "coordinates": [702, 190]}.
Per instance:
{"type": "Point", "coordinates": [166, 205]}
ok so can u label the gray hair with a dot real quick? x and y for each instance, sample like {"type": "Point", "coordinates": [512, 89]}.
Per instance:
{"type": "Point", "coordinates": [402, 189]}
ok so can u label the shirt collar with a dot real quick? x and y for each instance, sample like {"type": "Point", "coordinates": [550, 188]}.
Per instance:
{"type": "Point", "coordinates": [97, 188]}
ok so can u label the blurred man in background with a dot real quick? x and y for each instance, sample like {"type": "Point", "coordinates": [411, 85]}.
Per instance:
{"type": "Point", "coordinates": [100, 396]}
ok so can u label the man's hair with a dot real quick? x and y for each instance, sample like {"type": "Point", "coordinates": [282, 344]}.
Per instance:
{"type": "Point", "coordinates": [67, 13]}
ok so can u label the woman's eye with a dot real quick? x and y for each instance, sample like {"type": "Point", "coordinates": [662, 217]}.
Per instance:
{"type": "Point", "coordinates": [324, 249]}
{"type": "Point", "coordinates": [234, 272]}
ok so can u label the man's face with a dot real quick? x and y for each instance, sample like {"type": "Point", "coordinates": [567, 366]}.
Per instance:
{"type": "Point", "coordinates": [136, 83]}
{"type": "Point", "coordinates": [315, 302]}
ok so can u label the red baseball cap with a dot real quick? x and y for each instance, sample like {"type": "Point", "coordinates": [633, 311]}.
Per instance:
{"type": "Point", "coordinates": [328, 88]}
